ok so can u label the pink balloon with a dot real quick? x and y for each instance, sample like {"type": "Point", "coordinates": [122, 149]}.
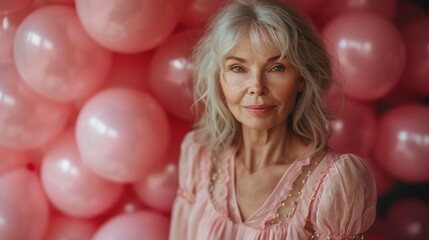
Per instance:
{"type": "Point", "coordinates": [402, 146]}
{"type": "Point", "coordinates": [14, 5]}
{"type": "Point", "coordinates": [198, 12]}
{"type": "Point", "coordinates": [408, 219]}
{"type": "Point", "coordinates": [70, 186]}
{"type": "Point", "coordinates": [47, 2]}
{"type": "Point", "coordinates": [409, 11]}
{"type": "Point", "coordinates": [129, 26]}
{"type": "Point", "coordinates": [122, 134]}
{"type": "Point", "coordinates": [370, 54]}
{"type": "Point", "coordinates": [171, 73]}
{"type": "Point", "coordinates": [383, 180]}
{"type": "Point", "coordinates": [130, 70]}
{"type": "Point", "coordinates": [27, 121]}
{"type": "Point", "coordinates": [353, 125]}
{"type": "Point", "coordinates": [331, 9]}
{"type": "Point", "coordinates": [400, 95]}
{"type": "Point", "coordinates": [416, 39]}
{"type": "Point", "coordinates": [158, 189]}
{"type": "Point", "coordinates": [139, 225]}
{"type": "Point", "coordinates": [10, 160]}
{"type": "Point", "coordinates": [307, 6]}
{"type": "Point", "coordinates": [23, 207]}
{"type": "Point", "coordinates": [128, 203]}
{"type": "Point", "coordinates": [57, 59]}
{"type": "Point", "coordinates": [9, 25]}
{"type": "Point", "coordinates": [67, 228]}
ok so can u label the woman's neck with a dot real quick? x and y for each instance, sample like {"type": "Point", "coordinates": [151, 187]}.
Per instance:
{"type": "Point", "coordinates": [260, 149]}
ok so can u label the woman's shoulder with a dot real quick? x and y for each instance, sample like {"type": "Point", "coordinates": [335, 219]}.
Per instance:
{"type": "Point", "coordinates": [347, 163]}
{"type": "Point", "coordinates": [345, 200]}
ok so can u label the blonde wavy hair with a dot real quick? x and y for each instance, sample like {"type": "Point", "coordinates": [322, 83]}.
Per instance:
{"type": "Point", "coordinates": [265, 21]}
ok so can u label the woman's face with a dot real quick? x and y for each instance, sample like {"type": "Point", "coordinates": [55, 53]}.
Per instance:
{"type": "Point", "coordinates": [259, 88]}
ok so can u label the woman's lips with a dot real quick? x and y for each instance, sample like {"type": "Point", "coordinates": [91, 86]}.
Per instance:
{"type": "Point", "coordinates": [258, 109]}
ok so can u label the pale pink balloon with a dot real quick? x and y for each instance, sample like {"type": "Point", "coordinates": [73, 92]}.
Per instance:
{"type": "Point", "coordinates": [331, 9]}
{"type": "Point", "coordinates": [9, 23]}
{"type": "Point", "coordinates": [122, 134]}
{"type": "Point", "coordinates": [171, 73]}
{"type": "Point", "coordinates": [127, 203]}
{"type": "Point", "coordinates": [10, 160]}
{"type": "Point", "coordinates": [72, 187]}
{"type": "Point", "coordinates": [57, 59]}
{"type": "Point", "coordinates": [135, 226]}
{"type": "Point", "coordinates": [402, 145]}
{"type": "Point", "coordinates": [198, 12]}
{"type": "Point", "coordinates": [130, 70]}
{"type": "Point", "coordinates": [24, 209]}
{"type": "Point", "coordinates": [369, 53]}
{"type": "Point", "coordinates": [129, 26]}
{"type": "Point", "coordinates": [14, 5]}
{"type": "Point", "coordinates": [27, 121]}
{"type": "Point", "coordinates": [68, 228]}
{"type": "Point", "coordinates": [416, 39]}
{"type": "Point", "coordinates": [158, 189]}
{"type": "Point", "coordinates": [353, 126]}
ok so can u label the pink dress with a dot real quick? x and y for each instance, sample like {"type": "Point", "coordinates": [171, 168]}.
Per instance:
{"type": "Point", "coordinates": [333, 198]}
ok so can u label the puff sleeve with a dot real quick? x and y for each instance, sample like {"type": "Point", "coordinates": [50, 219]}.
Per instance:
{"type": "Point", "coordinates": [188, 177]}
{"type": "Point", "coordinates": [344, 205]}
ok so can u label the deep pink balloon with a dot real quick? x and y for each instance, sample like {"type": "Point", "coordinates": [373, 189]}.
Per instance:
{"type": "Point", "coordinates": [68, 228]}
{"type": "Point", "coordinates": [353, 125]}
{"type": "Point", "coordinates": [171, 73]}
{"type": "Point", "coordinates": [198, 12]}
{"type": "Point", "coordinates": [139, 225]}
{"type": "Point", "coordinates": [23, 207]}
{"type": "Point", "coordinates": [400, 95]}
{"type": "Point", "coordinates": [129, 26]}
{"type": "Point", "coordinates": [408, 219]}
{"type": "Point", "coordinates": [307, 6]}
{"type": "Point", "coordinates": [409, 11]}
{"type": "Point", "coordinates": [122, 134]}
{"type": "Point", "coordinates": [130, 70]}
{"type": "Point", "coordinates": [57, 59]}
{"type": "Point", "coordinates": [27, 121]}
{"type": "Point", "coordinates": [331, 9]}
{"type": "Point", "coordinates": [370, 54]}
{"type": "Point", "coordinates": [14, 5]}
{"type": "Point", "coordinates": [416, 39]}
{"type": "Point", "coordinates": [402, 146]}
{"type": "Point", "coordinates": [73, 188]}
{"type": "Point", "coordinates": [383, 180]}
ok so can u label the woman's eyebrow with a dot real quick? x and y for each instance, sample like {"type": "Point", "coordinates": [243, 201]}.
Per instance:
{"type": "Point", "coordinates": [275, 58]}
{"type": "Point", "coordinates": [271, 59]}
{"type": "Point", "coordinates": [236, 58]}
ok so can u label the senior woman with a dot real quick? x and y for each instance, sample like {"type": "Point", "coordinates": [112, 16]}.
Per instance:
{"type": "Point", "coordinates": [256, 165]}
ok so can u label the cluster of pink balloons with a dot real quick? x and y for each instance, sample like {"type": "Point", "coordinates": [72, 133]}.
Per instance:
{"type": "Point", "coordinates": [95, 99]}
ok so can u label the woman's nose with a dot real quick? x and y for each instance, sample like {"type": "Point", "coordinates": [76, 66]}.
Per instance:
{"type": "Point", "coordinates": [257, 85]}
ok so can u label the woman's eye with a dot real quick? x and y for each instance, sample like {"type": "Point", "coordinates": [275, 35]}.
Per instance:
{"type": "Point", "coordinates": [237, 69]}
{"type": "Point", "coordinates": [278, 68]}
